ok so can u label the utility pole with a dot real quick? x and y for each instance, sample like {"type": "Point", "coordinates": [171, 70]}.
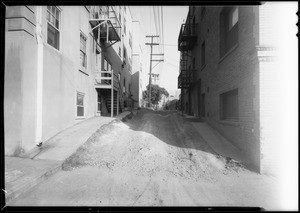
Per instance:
{"type": "Point", "coordinates": [150, 74]}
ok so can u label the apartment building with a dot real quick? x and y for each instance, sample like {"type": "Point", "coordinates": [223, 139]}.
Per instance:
{"type": "Point", "coordinates": [63, 64]}
{"type": "Point", "coordinates": [137, 69]}
{"type": "Point", "coordinates": [227, 76]}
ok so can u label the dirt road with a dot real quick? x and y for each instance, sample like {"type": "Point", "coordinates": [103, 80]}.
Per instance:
{"type": "Point", "coordinates": [153, 159]}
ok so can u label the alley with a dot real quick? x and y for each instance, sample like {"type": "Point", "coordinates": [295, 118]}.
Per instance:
{"type": "Point", "coordinates": [153, 159]}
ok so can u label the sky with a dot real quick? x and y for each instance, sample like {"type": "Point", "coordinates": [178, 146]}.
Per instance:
{"type": "Point", "coordinates": [173, 17]}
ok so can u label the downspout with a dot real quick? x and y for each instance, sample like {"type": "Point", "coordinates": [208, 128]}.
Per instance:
{"type": "Point", "coordinates": [39, 94]}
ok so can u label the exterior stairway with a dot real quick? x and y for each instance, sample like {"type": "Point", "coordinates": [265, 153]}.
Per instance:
{"type": "Point", "coordinates": [107, 96]}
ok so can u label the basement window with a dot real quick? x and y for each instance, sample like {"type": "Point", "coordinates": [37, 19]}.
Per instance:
{"type": "Point", "coordinates": [80, 104]}
{"type": "Point", "coordinates": [229, 105]}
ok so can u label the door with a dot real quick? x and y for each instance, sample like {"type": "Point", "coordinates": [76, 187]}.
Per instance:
{"type": "Point", "coordinates": [199, 99]}
{"type": "Point", "coordinates": [203, 105]}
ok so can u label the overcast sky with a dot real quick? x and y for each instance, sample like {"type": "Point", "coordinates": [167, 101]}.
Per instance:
{"type": "Point", "coordinates": [173, 17]}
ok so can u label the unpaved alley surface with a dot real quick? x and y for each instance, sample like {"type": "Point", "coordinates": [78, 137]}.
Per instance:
{"type": "Point", "coordinates": [152, 159]}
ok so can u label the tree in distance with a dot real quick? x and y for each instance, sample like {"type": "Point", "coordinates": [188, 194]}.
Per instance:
{"type": "Point", "coordinates": [156, 93]}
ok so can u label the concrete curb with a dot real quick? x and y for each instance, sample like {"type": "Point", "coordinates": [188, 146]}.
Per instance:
{"type": "Point", "coordinates": [22, 187]}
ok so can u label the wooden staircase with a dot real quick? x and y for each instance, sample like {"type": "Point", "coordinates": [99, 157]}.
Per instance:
{"type": "Point", "coordinates": [107, 96]}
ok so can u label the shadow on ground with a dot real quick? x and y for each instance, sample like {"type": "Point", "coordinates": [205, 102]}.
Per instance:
{"type": "Point", "coordinates": [170, 127]}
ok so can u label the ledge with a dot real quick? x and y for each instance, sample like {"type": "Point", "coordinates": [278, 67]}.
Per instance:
{"type": "Point", "coordinates": [83, 71]}
{"type": "Point", "coordinates": [228, 52]}
{"type": "Point", "coordinates": [229, 122]}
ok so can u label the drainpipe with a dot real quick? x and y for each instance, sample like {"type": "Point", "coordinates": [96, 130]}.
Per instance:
{"type": "Point", "coordinates": [39, 94]}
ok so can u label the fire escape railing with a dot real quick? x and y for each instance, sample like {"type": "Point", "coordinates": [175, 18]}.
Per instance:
{"type": "Point", "coordinates": [187, 37]}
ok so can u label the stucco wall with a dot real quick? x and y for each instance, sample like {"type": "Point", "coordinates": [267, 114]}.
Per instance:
{"type": "Point", "coordinates": [20, 80]}
{"type": "Point", "coordinates": [62, 75]}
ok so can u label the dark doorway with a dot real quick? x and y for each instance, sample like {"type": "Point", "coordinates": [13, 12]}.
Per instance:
{"type": "Point", "coordinates": [199, 98]}
{"type": "Point", "coordinates": [203, 105]}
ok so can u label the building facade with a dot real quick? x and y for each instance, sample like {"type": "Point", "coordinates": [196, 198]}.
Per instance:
{"type": "Point", "coordinates": [138, 55]}
{"type": "Point", "coordinates": [227, 76]}
{"type": "Point", "coordinates": [63, 65]}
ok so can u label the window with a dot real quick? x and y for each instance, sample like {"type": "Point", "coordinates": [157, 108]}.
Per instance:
{"type": "Point", "coordinates": [228, 29]}
{"type": "Point", "coordinates": [203, 54]}
{"type": "Point", "coordinates": [229, 105]}
{"type": "Point", "coordinates": [80, 104]}
{"type": "Point", "coordinates": [120, 51]}
{"type": "Point", "coordinates": [83, 59]}
{"type": "Point", "coordinates": [233, 18]}
{"type": "Point", "coordinates": [53, 26]}
{"type": "Point", "coordinates": [120, 17]}
{"type": "Point", "coordinates": [203, 9]}
{"type": "Point", "coordinates": [124, 25]}
{"type": "Point", "coordinates": [130, 40]}
{"type": "Point", "coordinates": [124, 53]}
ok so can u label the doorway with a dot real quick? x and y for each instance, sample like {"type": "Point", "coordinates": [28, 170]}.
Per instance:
{"type": "Point", "coordinates": [203, 105]}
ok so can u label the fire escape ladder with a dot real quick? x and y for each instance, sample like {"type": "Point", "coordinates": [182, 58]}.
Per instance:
{"type": "Point", "coordinates": [106, 26]}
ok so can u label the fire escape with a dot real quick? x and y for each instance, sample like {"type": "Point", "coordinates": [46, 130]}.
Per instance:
{"type": "Point", "coordinates": [186, 41]}
{"type": "Point", "coordinates": [106, 29]}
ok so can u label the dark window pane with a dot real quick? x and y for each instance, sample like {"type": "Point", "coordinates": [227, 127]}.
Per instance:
{"type": "Point", "coordinates": [48, 16]}
{"type": "Point", "coordinates": [80, 111]}
{"type": "Point", "coordinates": [52, 9]}
{"type": "Point", "coordinates": [53, 37]}
{"type": "Point", "coordinates": [56, 23]}
{"type": "Point", "coordinates": [230, 105]}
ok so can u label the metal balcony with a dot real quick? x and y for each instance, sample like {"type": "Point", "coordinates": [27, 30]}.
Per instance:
{"type": "Point", "coordinates": [105, 26]}
{"type": "Point", "coordinates": [185, 78]}
{"type": "Point", "coordinates": [187, 37]}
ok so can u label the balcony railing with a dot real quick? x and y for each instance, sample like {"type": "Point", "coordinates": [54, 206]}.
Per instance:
{"type": "Point", "coordinates": [187, 37]}
{"type": "Point", "coordinates": [185, 78]}
{"type": "Point", "coordinates": [106, 80]}
{"type": "Point", "coordinates": [106, 23]}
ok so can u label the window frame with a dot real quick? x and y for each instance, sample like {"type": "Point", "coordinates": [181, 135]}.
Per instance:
{"type": "Point", "coordinates": [82, 106]}
{"type": "Point", "coordinates": [58, 30]}
{"type": "Point", "coordinates": [229, 37]}
{"type": "Point", "coordinates": [228, 97]}
{"type": "Point", "coordinates": [83, 68]}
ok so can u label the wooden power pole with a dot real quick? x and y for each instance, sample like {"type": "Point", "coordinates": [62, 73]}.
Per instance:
{"type": "Point", "coordinates": [151, 54]}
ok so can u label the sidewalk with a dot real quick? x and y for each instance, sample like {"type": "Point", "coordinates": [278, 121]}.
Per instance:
{"type": "Point", "coordinates": [23, 173]}
{"type": "Point", "coordinates": [217, 142]}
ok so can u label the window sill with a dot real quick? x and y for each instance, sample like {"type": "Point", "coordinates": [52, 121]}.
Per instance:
{"type": "Point", "coordinates": [79, 118]}
{"type": "Point", "coordinates": [228, 52]}
{"type": "Point", "coordinates": [230, 122]}
{"type": "Point", "coordinates": [83, 70]}
{"type": "Point", "coordinates": [53, 48]}
{"type": "Point", "coordinates": [202, 68]}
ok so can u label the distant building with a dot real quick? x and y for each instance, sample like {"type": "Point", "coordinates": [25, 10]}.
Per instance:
{"type": "Point", "coordinates": [63, 64]}
{"type": "Point", "coordinates": [226, 54]}
{"type": "Point", "coordinates": [138, 52]}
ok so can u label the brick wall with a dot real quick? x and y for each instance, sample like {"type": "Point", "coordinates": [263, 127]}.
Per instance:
{"type": "Point", "coordinates": [238, 69]}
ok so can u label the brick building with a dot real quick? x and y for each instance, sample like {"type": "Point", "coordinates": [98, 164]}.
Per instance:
{"type": "Point", "coordinates": [63, 65]}
{"type": "Point", "coordinates": [228, 76]}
